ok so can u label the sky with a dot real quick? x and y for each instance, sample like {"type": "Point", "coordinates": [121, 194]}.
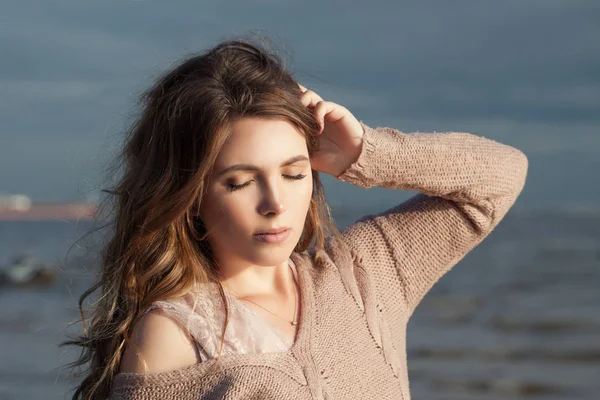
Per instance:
{"type": "Point", "coordinates": [525, 73]}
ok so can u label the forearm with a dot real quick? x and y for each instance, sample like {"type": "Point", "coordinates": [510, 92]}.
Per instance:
{"type": "Point", "coordinates": [462, 167]}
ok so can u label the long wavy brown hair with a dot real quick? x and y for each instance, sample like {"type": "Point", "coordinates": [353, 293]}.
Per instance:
{"type": "Point", "coordinates": [157, 247]}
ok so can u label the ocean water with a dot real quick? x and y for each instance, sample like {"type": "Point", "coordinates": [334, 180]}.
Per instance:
{"type": "Point", "coordinates": [517, 318]}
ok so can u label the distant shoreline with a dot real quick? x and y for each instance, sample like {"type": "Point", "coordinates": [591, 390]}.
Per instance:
{"type": "Point", "coordinates": [50, 212]}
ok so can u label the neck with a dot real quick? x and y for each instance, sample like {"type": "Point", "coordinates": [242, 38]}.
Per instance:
{"type": "Point", "coordinates": [248, 280]}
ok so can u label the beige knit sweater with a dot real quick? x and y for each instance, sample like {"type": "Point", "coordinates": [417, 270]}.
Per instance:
{"type": "Point", "coordinates": [351, 340]}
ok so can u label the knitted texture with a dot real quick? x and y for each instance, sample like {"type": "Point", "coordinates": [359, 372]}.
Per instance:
{"type": "Point", "coordinates": [351, 339]}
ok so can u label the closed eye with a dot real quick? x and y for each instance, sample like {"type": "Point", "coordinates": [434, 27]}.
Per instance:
{"type": "Point", "coordinates": [232, 188]}
{"type": "Point", "coordinates": [294, 177]}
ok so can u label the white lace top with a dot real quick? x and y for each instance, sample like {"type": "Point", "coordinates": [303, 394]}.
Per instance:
{"type": "Point", "coordinates": [202, 313]}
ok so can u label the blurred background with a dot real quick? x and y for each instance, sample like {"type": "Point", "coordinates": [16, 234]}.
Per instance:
{"type": "Point", "coordinates": [519, 317]}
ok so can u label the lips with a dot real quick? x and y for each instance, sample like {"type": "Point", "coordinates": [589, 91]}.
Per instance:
{"type": "Point", "coordinates": [273, 231]}
{"type": "Point", "coordinates": [273, 236]}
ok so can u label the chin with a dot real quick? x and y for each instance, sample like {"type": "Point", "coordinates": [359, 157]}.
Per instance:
{"type": "Point", "coordinates": [270, 255]}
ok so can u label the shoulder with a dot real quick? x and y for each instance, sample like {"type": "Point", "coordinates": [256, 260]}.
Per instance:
{"type": "Point", "coordinates": [158, 344]}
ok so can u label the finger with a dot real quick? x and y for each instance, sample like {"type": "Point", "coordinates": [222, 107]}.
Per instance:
{"type": "Point", "coordinates": [320, 112]}
{"type": "Point", "coordinates": [310, 98]}
{"type": "Point", "coordinates": [307, 101]}
{"type": "Point", "coordinates": [328, 110]}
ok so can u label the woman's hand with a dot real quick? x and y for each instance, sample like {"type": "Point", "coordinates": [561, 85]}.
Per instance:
{"type": "Point", "coordinates": [340, 141]}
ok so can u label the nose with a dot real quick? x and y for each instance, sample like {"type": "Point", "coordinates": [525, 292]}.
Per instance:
{"type": "Point", "coordinates": [272, 201]}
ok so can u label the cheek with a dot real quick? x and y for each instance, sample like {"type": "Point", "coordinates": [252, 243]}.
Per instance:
{"type": "Point", "coordinates": [307, 194]}
{"type": "Point", "coordinates": [302, 199]}
{"type": "Point", "coordinates": [227, 216]}
{"type": "Point", "coordinates": [237, 215]}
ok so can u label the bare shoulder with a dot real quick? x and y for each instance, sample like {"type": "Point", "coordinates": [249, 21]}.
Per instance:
{"type": "Point", "coordinates": [158, 344]}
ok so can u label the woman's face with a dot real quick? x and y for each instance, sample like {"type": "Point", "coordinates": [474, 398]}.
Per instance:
{"type": "Point", "coordinates": [261, 180]}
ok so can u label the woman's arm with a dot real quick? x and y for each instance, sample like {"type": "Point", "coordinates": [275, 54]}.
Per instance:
{"type": "Point", "coordinates": [467, 183]}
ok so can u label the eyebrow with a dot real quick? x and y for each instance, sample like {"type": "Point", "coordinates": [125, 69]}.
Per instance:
{"type": "Point", "coordinates": [248, 167]}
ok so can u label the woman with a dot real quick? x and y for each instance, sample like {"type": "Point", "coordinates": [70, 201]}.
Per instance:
{"type": "Point", "coordinates": [226, 278]}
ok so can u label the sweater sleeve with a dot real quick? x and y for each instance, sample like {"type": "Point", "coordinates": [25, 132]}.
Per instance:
{"type": "Point", "coordinates": [467, 184]}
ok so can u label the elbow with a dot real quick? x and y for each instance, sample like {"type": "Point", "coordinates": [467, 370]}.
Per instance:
{"type": "Point", "coordinates": [521, 167]}
{"type": "Point", "coordinates": [511, 179]}
{"type": "Point", "coordinates": [514, 178]}
{"type": "Point", "coordinates": [511, 172]}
